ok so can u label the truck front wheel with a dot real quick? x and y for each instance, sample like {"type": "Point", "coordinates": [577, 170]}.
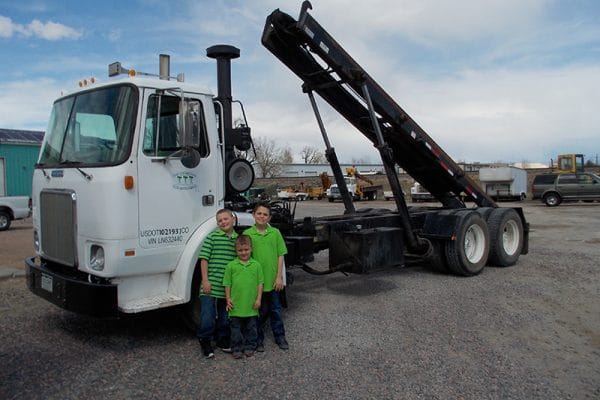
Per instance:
{"type": "Point", "coordinates": [4, 220]}
{"type": "Point", "coordinates": [468, 252]}
{"type": "Point", "coordinates": [190, 311]}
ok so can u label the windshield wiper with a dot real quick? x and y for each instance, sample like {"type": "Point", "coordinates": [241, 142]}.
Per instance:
{"type": "Point", "coordinates": [74, 164]}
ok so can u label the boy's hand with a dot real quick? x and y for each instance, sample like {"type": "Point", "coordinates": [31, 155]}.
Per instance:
{"type": "Point", "coordinates": [256, 304]}
{"type": "Point", "coordinates": [279, 283]}
{"type": "Point", "coordinates": [206, 288]}
{"type": "Point", "coordinates": [229, 305]}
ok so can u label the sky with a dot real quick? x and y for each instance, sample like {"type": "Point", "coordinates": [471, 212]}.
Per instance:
{"type": "Point", "coordinates": [488, 80]}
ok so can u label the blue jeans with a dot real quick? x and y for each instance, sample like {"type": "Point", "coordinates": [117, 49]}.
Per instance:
{"type": "Point", "coordinates": [270, 308]}
{"type": "Point", "coordinates": [213, 319]}
{"type": "Point", "coordinates": [243, 334]}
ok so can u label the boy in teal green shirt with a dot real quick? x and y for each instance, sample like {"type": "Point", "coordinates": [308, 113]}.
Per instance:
{"type": "Point", "coordinates": [269, 249]}
{"type": "Point", "coordinates": [243, 281]}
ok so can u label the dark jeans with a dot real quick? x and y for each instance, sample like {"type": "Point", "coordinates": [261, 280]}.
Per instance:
{"type": "Point", "coordinates": [213, 319]}
{"type": "Point", "coordinates": [270, 308]}
{"type": "Point", "coordinates": [243, 334]}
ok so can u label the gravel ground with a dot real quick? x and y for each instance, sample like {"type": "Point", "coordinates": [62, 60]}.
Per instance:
{"type": "Point", "coordinates": [527, 332]}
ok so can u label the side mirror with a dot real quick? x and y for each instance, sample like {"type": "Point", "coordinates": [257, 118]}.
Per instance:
{"type": "Point", "coordinates": [189, 132]}
{"type": "Point", "coordinates": [190, 158]}
{"type": "Point", "coordinates": [189, 123]}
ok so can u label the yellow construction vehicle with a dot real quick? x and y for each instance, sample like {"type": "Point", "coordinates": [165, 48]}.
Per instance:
{"type": "Point", "coordinates": [569, 163]}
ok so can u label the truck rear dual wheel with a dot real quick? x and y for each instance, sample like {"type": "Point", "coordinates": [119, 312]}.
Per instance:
{"type": "Point", "coordinates": [467, 252]}
{"type": "Point", "coordinates": [506, 237]}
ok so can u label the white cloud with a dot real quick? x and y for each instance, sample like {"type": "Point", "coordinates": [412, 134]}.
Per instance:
{"type": "Point", "coordinates": [7, 27]}
{"type": "Point", "coordinates": [48, 31]}
{"type": "Point", "coordinates": [27, 104]}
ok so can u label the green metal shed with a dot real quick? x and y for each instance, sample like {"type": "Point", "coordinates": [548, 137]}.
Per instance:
{"type": "Point", "coordinates": [18, 154]}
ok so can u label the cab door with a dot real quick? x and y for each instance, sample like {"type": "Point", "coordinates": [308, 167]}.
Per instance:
{"type": "Point", "coordinates": [173, 199]}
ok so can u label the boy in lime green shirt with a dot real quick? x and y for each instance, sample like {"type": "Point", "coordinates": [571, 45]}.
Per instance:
{"type": "Point", "coordinates": [269, 249]}
{"type": "Point", "coordinates": [243, 281]}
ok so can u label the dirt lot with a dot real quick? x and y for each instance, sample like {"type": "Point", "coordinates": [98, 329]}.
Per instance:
{"type": "Point", "coordinates": [16, 244]}
{"type": "Point", "coordinates": [531, 331]}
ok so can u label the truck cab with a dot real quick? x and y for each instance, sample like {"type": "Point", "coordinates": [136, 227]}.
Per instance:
{"type": "Point", "coordinates": [130, 175]}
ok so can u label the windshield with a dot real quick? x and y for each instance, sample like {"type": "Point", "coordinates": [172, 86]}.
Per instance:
{"type": "Point", "coordinates": [91, 128]}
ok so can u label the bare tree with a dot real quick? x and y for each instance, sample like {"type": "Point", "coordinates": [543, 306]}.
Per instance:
{"type": "Point", "coordinates": [312, 155]}
{"type": "Point", "coordinates": [267, 156]}
{"type": "Point", "coordinates": [286, 156]}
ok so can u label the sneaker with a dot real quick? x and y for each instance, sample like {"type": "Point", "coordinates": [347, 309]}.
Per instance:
{"type": "Point", "coordinates": [260, 348]}
{"type": "Point", "coordinates": [237, 355]}
{"type": "Point", "coordinates": [224, 345]}
{"type": "Point", "coordinates": [248, 353]}
{"type": "Point", "coordinates": [282, 343]}
{"type": "Point", "coordinates": [207, 349]}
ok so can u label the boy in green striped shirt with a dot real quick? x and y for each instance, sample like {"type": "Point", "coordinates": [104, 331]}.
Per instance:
{"type": "Point", "coordinates": [218, 249]}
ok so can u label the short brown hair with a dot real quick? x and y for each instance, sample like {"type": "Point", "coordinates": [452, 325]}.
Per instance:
{"type": "Point", "coordinates": [225, 210]}
{"type": "Point", "coordinates": [243, 240]}
{"type": "Point", "coordinates": [264, 205]}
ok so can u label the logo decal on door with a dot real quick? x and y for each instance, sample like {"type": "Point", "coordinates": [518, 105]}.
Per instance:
{"type": "Point", "coordinates": [184, 181]}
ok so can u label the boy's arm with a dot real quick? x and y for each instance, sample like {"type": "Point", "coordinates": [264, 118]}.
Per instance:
{"type": "Point", "coordinates": [258, 296]}
{"type": "Point", "coordinates": [206, 288]}
{"type": "Point", "coordinates": [229, 306]}
{"type": "Point", "coordinates": [279, 278]}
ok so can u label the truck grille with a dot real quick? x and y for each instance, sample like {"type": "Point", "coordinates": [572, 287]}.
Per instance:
{"type": "Point", "coordinates": [58, 224]}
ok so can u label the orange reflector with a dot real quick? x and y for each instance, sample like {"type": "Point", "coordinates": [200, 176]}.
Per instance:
{"type": "Point", "coordinates": [128, 182]}
{"type": "Point", "coordinates": [129, 253]}
{"type": "Point", "coordinates": [132, 72]}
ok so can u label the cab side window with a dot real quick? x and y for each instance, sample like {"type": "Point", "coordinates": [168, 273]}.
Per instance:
{"type": "Point", "coordinates": [161, 131]}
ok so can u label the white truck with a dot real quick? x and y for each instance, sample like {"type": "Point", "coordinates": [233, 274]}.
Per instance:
{"type": "Point", "coordinates": [132, 171]}
{"type": "Point", "coordinates": [130, 175]}
{"type": "Point", "coordinates": [292, 195]}
{"type": "Point", "coordinates": [418, 193]}
{"type": "Point", "coordinates": [357, 190]}
{"type": "Point", "coordinates": [504, 183]}
{"type": "Point", "coordinates": [13, 208]}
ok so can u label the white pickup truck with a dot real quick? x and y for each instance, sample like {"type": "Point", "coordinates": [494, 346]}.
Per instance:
{"type": "Point", "coordinates": [13, 207]}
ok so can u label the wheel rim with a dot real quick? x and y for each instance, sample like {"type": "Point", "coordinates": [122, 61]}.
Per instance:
{"type": "Point", "coordinates": [474, 244]}
{"type": "Point", "coordinates": [551, 200]}
{"type": "Point", "coordinates": [510, 237]}
{"type": "Point", "coordinates": [3, 221]}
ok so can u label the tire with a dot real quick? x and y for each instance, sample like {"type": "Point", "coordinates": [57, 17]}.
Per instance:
{"type": "Point", "coordinates": [4, 221]}
{"type": "Point", "coordinates": [506, 237]}
{"type": "Point", "coordinates": [552, 199]}
{"type": "Point", "coordinates": [330, 199]}
{"type": "Point", "coordinates": [468, 253]}
{"type": "Point", "coordinates": [190, 311]}
{"type": "Point", "coordinates": [437, 260]}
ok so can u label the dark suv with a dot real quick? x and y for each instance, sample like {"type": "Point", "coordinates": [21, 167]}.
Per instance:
{"type": "Point", "coordinates": [553, 189]}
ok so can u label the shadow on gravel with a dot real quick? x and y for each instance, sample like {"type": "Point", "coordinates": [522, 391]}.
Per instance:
{"type": "Point", "coordinates": [128, 331]}
{"type": "Point", "coordinates": [361, 287]}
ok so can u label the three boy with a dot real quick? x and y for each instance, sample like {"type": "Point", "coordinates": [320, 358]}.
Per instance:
{"type": "Point", "coordinates": [262, 249]}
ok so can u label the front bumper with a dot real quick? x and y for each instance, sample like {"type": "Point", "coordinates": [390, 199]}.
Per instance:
{"type": "Point", "coordinates": [71, 291]}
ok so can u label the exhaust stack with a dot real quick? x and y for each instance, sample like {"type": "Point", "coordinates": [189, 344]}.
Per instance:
{"type": "Point", "coordinates": [164, 66]}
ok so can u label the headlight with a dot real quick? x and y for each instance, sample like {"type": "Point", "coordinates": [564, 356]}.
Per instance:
{"type": "Point", "coordinates": [97, 258]}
